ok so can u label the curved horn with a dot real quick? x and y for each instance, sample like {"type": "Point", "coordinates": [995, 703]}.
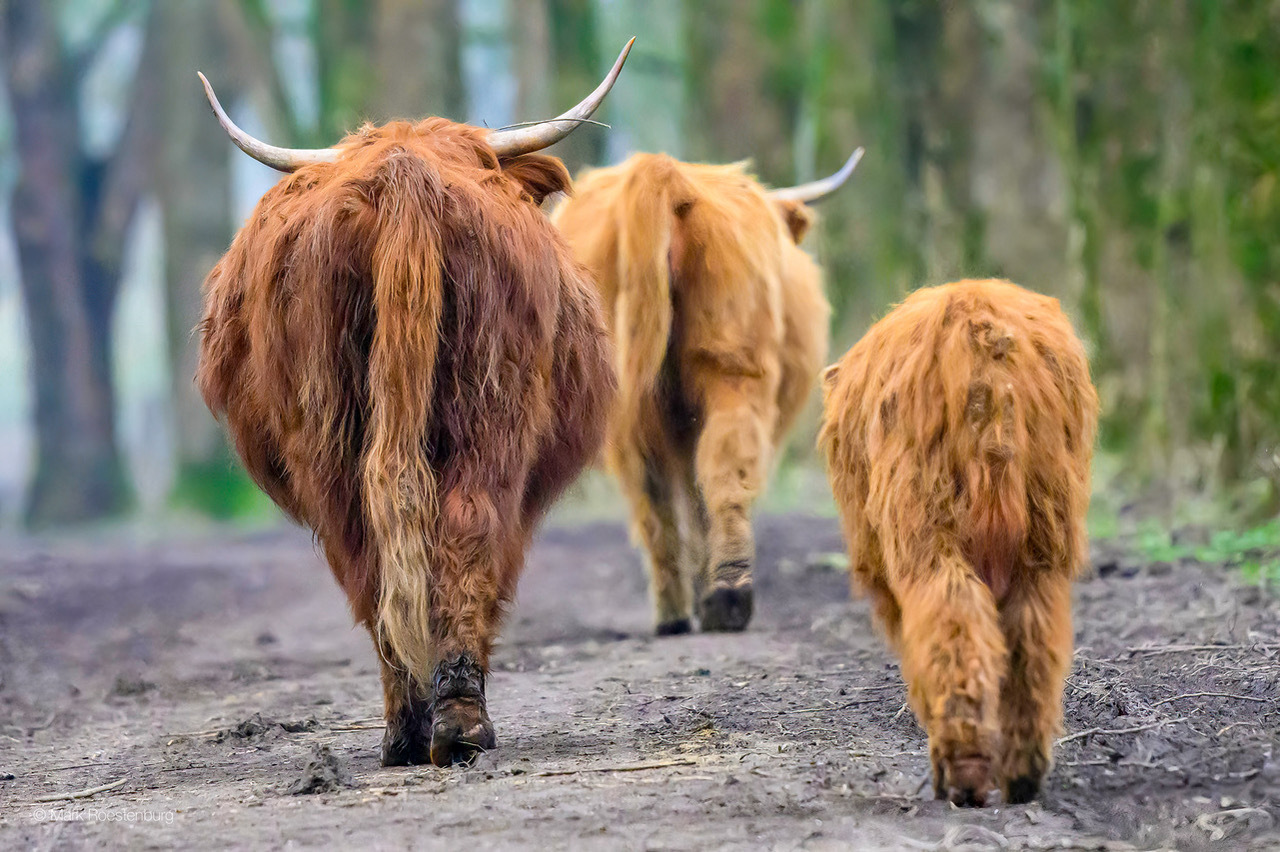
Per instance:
{"type": "Point", "coordinates": [525, 140]}
{"type": "Point", "coordinates": [283, 159]}
{"type": "Point", "coordinates": [819, 189]}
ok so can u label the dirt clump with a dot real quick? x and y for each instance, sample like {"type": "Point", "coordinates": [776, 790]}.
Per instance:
{"type": "Point", "coordinates": [324, 773]}
{"type": "Point", "coordinates": [258, 727]}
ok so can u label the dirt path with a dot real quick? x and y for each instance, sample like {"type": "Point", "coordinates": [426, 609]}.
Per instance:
{"type": "Point", "coordinates": [176, 669]}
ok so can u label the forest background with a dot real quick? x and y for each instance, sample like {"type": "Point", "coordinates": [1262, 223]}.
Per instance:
{"type": "Point", "coordinates": [1123, 157]}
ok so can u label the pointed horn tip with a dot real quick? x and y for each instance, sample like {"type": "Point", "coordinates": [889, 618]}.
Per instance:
{"type": "Point", "coordinates": [846, 171]}
{"type": "Point", "coordinates": [815, 191]}
{"type": "Point", "coordinates": [543, 134]}
{"type": "Point", "coordinates": [619, 62]}
{"type": "Point", "coordinates": [280, 159]}
{"type": "Point", "coordinates": [211, 97]}
{"type": "Point", "coordinates": [855, 158]}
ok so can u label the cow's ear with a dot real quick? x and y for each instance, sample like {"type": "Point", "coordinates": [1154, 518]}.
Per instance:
{"type": "Point", "coordinates": [830, 375]}
{"type": "Point", "coordinates": [797, 216]}
{"type": "Point", "coordinates": [539, 174]}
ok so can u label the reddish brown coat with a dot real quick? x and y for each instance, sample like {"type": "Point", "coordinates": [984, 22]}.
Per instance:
{"type": "Point", "coordinates": [412, 364]}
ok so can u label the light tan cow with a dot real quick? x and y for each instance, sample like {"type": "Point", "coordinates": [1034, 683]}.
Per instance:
{"type": "Point", "coordinates": [720, 326]}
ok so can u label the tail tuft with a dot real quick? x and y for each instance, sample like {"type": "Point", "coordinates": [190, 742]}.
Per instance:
{"type": "Point", "coordinates": [997, 493]}
{"type": "Point", "coordinates": [642, 314]}
{"type": "Point", "coordinates": [399, 484]}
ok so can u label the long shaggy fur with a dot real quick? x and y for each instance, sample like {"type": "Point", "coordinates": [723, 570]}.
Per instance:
{"type": "Point", "coordinates": [411, 363]}
{"type": "Point", "coordinates": [720, 327]}
{"type": "Point", "coordinates": [958, 435]}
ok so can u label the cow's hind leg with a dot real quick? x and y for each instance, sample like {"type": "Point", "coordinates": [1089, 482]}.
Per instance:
{"type": "Point", "coordinates": [885, 606]}
{"type": "Point", "coordinates": [474, 567]}
{"type": "Point", "coordinates": [659, 526]}
{"type": "Point", "coordinates": [731, 461]}
{"type": "Point", "coordinates": [1036, 618]}
{"type": "Point", "coordinates": [696, 525]}
{"type": "Point", "coordinates": [953, 659]}
{"type": "Point", "coordinates": [648, 484]}
{"type": "Point", "coordinates": [406, 699]}
{"type": "Point", "coordinates": [407, 703]}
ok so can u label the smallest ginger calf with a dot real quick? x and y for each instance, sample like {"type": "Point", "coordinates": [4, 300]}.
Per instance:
{"type": "Point", "coordinates": [958, 435]}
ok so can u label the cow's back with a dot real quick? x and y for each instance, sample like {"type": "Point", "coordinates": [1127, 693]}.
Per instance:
{"type": "Point", "coordinates": [727, 258]}
{"type": "Point", "coordinates": [967, 411]}
{"type": "Point", "coordinates": [394, 306]}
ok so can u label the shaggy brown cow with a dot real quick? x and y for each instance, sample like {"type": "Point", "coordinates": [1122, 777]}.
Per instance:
{"type": "Point", "coordinates": [958, 434]}
{"type": "Point", "coordinates": [412, 364]}
{"type": "Point", "coordinates": [720, 325]}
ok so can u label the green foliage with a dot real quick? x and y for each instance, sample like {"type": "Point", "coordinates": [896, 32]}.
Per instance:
{"type": "Point", "coordinates": [1233, 545]}
{"type": "Point", "coordinates": [1156, 544]}
{"type": "Point", "coordinates": [1158, 127]}
{"type": "Point", "coordinates": [1254, 550]}
{"type": "Point", "coordinates": [1255, 571]}
{"type": "Point", "coordinates": [219, 489]}
{"type": "Point", "coordinates": [1103, 521]}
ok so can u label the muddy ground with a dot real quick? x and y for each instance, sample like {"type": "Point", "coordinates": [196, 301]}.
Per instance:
{"type": "Point", "coordinates": [216, 684]}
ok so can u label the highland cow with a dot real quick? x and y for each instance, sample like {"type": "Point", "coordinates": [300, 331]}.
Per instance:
{"type": "Point", "coordinates": [412, 364]}
{"type": "Point", "coordinates": [720, 328]}
{"type": "Point", "coordinates": [958, 435]}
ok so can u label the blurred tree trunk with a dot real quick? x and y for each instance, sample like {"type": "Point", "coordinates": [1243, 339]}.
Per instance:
{"type": "Point", "coordinates": [386, 60]}
{"type": "Point", "coordinates": [1017, 180]}
{"type": "Point", "coordinates": [195, 196]}
{"type": "Point", "coordinates": [1235, 219]}
{"type": "Point", "coordinates": [577, 67]}
{"type": "Point", "coordinates": [872, 234]}
{"type": "Point", "coordinates": [532, 46]}
{"type": "Point", "coordinates": [416, 54]}
{"type": "Point", "coordinates": [746, 57]}
{"type": "Point", "coordinates": [71, 214]}
{"type": "Point", "coordinates": [645, 108]}
{"type": "Point", "coordinates": [343, 34]}
{"type": "Point", "coordinates": [941, 64]}
{"type": "Point", "coordinates": [1168, 409]}
{"type": "Point", "coordinates": [1076, 142]}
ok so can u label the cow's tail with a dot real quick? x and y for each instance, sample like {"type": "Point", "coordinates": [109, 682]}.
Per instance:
{"type": "Point", "coordinates": [399, 485]}
{"type": "Point", "coordinates": [997, 476]}
{"type": "Point", "coordinates": [655, 199]}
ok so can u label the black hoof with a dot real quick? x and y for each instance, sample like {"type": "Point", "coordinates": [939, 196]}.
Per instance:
{"type": "Point", "coordinates": [965, 782]}
{"type": "Point", "coordinates": [401, 750]}
{"type": "Point", "coordinates": [726, 610]}
{"type": "Point", "coordinates": [407, 739]}
{"type": "Point", "coordinates": [1021, 791]}
{"type": "Point", "coordinates": [461, 732]}
{"type": "Point", "coordinates": [678, 627]}
{"type": "Point", "coordinates": [460, 726]}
